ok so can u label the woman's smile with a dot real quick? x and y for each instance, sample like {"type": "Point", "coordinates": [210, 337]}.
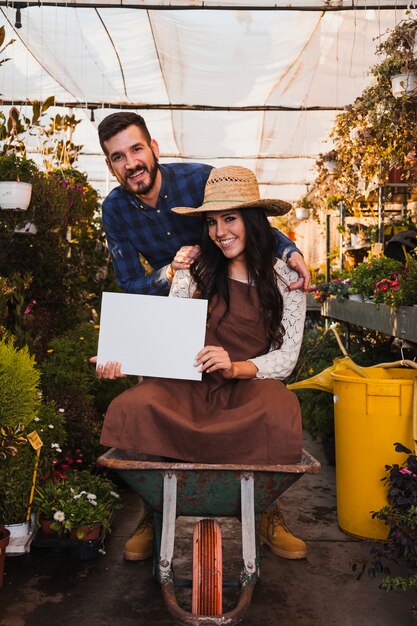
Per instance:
{"type": "Point", "coordinates": [227, 230]}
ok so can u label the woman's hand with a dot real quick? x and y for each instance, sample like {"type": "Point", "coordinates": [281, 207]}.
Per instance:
{"type": "Point", "coordinates": [110, 371]}
{"type": "Point", "coordinates": [213, 358]}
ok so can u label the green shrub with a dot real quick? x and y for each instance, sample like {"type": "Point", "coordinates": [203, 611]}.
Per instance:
{"type": "Point", "coordinates": [16, 473]}
{"type": "Point", "coordinates": [69, 379]}
{"type": "Point", "coordinates": [19, 385]}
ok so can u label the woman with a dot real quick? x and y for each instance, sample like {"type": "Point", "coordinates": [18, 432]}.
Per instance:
{"type": "Point", "coordinates": [240, 412]}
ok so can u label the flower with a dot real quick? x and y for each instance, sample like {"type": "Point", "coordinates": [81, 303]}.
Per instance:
{"type": "Point", "coordinates": [59, 516]}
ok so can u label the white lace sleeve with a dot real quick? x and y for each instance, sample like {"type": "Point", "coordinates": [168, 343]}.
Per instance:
{"type": "Point", "coordinates": [280, 363]}
{"type": "Point", "coordinates": [183, 285]}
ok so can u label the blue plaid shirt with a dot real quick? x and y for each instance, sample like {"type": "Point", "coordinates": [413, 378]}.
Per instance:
{"type": "Point", "coordinates": [133, 228]}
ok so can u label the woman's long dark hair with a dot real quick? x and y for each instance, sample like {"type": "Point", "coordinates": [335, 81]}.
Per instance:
{"type": "Point", "coordinates": [210, 271]}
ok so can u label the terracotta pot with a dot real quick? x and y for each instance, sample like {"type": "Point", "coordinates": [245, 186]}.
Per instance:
{"type": "Point", "coordinates": [4, 540]}
{"type": "Point", "coordinates": [46, 527]}
{"type": "Point", "coordinates": [90, 532]}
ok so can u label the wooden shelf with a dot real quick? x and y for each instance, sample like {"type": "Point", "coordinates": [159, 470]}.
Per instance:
{"type": "Point", "coordinates": [398, 323]}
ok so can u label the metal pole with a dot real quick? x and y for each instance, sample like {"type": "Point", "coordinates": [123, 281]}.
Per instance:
{"type": "Point", "coordinates": [327, 248]}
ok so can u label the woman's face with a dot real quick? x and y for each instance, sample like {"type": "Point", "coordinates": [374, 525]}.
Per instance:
{"type": "Point", "coordinates": [227, 230]}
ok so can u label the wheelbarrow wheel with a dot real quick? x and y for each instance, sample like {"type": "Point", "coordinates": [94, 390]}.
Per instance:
{"type": "Point", "coordinates": [207, 568]}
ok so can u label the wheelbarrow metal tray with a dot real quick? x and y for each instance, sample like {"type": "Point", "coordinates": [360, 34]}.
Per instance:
{"type": "Point", "coordinates": [205, 489]}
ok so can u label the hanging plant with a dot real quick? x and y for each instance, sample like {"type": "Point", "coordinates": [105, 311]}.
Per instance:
{"type": "Point", "coordinates": [376, 134]}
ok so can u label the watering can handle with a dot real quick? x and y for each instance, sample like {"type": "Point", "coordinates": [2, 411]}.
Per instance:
{"type": "Point", "coordinates": [403, 362]}
{"type": "Point", "coordinates": [339, 341]}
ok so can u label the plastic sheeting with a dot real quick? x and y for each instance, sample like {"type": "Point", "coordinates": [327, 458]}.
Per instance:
{"type": "Point", "coordinates": [256, 88]}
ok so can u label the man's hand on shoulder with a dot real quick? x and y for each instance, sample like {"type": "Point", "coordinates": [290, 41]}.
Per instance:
{"type": "Point", "coordinates": [184, 257]}
{"type": "Point", "coordinates": [296, 262]}
{"type": "Point", "coordinates": [182, 260]}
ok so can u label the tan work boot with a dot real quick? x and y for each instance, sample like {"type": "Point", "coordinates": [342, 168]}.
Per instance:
{"type": "Point", "coordinates": [273, 532]}
{"type": "Point", "coordinates": [139, 546]}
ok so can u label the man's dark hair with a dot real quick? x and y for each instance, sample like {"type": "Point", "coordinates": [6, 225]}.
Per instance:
{"type": "Point", "coordinates": [116, 122]}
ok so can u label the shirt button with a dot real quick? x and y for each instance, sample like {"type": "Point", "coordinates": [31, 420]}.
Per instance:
{"type": "Point", "coordinates": [168, 233]}
{"type": "Point", "coordinates": [165, 197]}
{"type": "Point", "coordinates": [158, 210]}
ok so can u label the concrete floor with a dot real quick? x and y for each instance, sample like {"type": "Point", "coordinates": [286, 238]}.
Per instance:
{"type": "Point", "coordinates": [46, 588]}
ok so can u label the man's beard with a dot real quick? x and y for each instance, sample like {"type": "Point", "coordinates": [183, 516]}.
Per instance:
{"type": "Point", "coordinates": [142, 188]}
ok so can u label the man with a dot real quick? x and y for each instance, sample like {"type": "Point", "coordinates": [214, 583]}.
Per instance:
{"type": "Point", "coordinates": [139, 223]}
{"type": "Point", "coordinates": [137, 216]}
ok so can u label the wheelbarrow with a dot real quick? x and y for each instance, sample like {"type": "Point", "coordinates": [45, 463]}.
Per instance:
{"type": "Point", "coordinates": [208, 491]}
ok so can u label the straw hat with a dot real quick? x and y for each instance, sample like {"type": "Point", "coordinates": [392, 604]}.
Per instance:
{"type": "Point", "coordinates": [234, 188]}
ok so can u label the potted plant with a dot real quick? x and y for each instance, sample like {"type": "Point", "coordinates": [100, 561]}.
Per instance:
{"type": "Point", "coordinates": [303, 210]}
{"type": "Point", "coordinates": [330, 161]}
{"type": "Point", "coordinates": [364, 276]}
{"type": "Point", "coordinates": [4, 542]}
{"type": "Point", "coordinates": [337, 288]}
{"type": "Point", "coordinates": [79, 506]}
{"type": "Point", "coordinates": [19, 403]}
{"type": "Point", "coordinates": [400, 515]}
{"type": "Point", "coordinates": [400, 288]}
{"type": "Point", "coordinates": [16, 174]}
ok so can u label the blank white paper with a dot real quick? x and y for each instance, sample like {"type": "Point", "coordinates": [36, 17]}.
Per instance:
{"type": "Point", "coordinates": [152, 335]}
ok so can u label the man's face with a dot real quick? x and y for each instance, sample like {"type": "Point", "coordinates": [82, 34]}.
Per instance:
{"type": "Point", "coordinates": [133, 161]}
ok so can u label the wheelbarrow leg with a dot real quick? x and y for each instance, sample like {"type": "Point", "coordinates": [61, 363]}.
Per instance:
{"type": "Point", "coordinates": [248, 526]}
{"type": "Point", "coordinates": [169, 514]}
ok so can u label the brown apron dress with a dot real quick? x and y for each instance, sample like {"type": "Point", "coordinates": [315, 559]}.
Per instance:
{"type": "Point", "coordinates": [214, 420]}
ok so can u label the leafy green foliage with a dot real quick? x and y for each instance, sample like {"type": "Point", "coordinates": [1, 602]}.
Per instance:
{"type": "Point", "coordinates": [19, 385]}
{"type": "Point", "coordinates": [364, 276]}
{"type": "Point", "coordinates": [400, 515]}
{"type": "Point", "coordinates": [318, 351]}
{"type": "Point", "coordinates": [15, 485]}
{"type": "Point", "coordinates": [52, 280]}
{"type": "Point", "coordinates": [14, 167]}
{"type": "Point", "coordinates": [69, 379]}
{"type": "Point", "coordinates": [82, 499]}
{"type": "Point", "coordinates": [407, 292]}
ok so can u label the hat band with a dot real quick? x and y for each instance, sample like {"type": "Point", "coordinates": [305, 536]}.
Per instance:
{"type": "Point", "coordinates": [228, 200]}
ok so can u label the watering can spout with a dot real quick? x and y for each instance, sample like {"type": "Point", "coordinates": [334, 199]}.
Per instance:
{"type": "Point", "coordinates": [323, 381]}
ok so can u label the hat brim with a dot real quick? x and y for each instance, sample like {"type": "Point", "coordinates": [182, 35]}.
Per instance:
{"type": "Point", "coordinates": [271, 207]}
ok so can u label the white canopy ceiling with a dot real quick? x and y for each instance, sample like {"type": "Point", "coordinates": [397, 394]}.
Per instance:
{"type": "Point", "coordinates": [236, 82]}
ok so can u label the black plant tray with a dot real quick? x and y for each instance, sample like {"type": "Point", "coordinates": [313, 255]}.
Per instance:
{"type": "Point", "coordinates": [79, 549]}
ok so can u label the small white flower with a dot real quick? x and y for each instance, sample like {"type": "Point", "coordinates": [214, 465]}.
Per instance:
{"type": "Point", "coordinates": [114, 494]}
{"type": "Point", "coordinates": [36, 419]}
{"type": "Point", "coordinates": [51, 426]}
{"type": "Point", "coordinates": [54, 445]}
{"type": "Point", "coordinates": [93, 502]}
{"type": "Point", "coordinates": [61, 410]}
{"type": "Point", "coordinates": [91, 496]}
{"type": "Point", "coordinates": [79, 495]}
{"type": "Point", "coordinates": [59, 516]}
{"type": "Point", "coordinates": [102, 551]}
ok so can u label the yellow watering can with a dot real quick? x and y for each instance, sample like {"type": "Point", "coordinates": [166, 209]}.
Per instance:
{"type": "Point", "coordinates": [323, 381]}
